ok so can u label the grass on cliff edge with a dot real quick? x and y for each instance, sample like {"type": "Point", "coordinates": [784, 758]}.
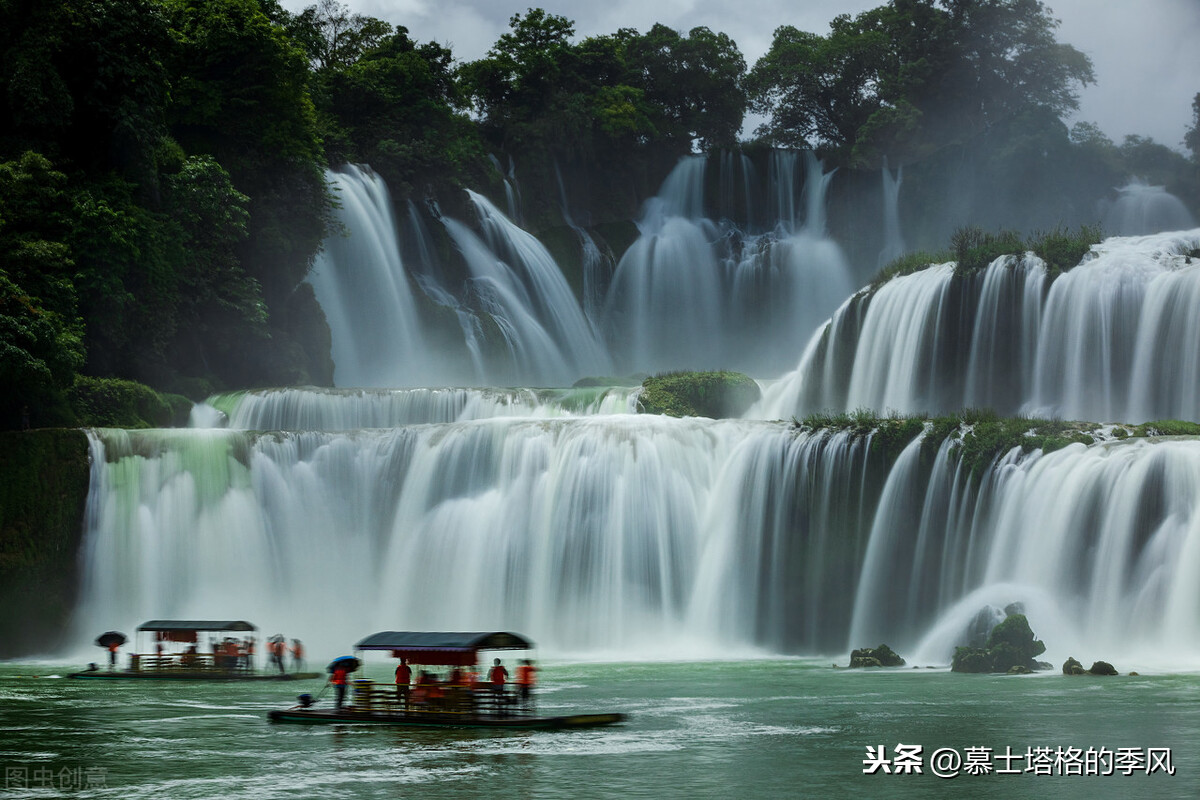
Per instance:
{"type": "Point", "coordinates": [981, 436]}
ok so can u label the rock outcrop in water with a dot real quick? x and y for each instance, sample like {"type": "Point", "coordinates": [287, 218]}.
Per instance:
{"type": "Point", "coordinates": [882, 656]}
{"type": "Point", "coordinates": [1011, 647]}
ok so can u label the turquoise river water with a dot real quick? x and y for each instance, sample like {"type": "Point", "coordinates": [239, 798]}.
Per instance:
{"type": "Point", "coordinates": [755, 729]}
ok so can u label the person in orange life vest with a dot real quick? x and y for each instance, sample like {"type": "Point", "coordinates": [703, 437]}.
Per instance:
{"type": "Point", "coordinates": [297, 655]}
{"type": "Point", "coordinates": [403, 681]}
{"type": "Point", "coordinates": [526, 678]}
{"type": "Point", "coordinates": [112, 655]}
{"type": "Point", "coordinates": [339, 684]}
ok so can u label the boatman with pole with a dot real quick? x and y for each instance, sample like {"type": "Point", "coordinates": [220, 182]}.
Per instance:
{"type": "Point", "coordinates": [339, 684]}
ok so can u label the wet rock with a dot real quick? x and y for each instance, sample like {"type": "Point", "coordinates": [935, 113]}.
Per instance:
{"type": "Point", "coordinates": [1018, 669]}
{"type": "Point", "coordinates": [1102, 668]}
{"type": "Point", "coordinates": [1072, 667]}
{"type": "Point", "coordinates": [971, 659]}
{"type": "Point", "coordinates": [882, 656]}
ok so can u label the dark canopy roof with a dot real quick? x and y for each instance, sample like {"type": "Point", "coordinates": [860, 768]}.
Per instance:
{"type": "Point", "coordinates": [440, 647]}
{"type": "Point", "coordinates": [196, 625]}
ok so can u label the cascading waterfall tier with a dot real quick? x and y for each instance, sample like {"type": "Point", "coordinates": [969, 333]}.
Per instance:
{"type": "Point", "coordinates": [1116, 338]}
{"type": "Point", "coordinates": [314, 409]}
{"type": "Point", "coordinates": [645, 536]}
{"type": "Point", "coordinates": [697, 293]}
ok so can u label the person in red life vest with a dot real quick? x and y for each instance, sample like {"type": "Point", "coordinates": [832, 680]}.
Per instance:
{"type": "Point", "coordinates": [526, 678]}
{"type": "Point", "coordinates": [497, 677]}
{"type": "Point", "coordinates": [112, 655]}
{"type": "Point", "coordinates": [339, 685]}
{"type": "Point", "coordinates": [297, 655]}
{"type": "Point", "coordinates": [403, 683]}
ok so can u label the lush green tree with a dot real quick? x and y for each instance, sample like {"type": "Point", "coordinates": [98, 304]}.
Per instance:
{"type": "Point", "coordinates": [395, 108]}
{"type": "Point", "coordinates": [85, 82]}
{"type": "Point", "coordinates": [41, 334]}
{"type": "Point", "coordinates": [693, 83]}
{"type": "Point", "coordinates": [913, 76]}
{"type": "Point", "coordinates": [333, 37]}
{"type": "Point", "coordinates": [241, 95]}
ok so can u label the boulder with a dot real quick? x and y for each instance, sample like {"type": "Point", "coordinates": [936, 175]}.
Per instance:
{"type": "Point", "coordinates": [882, 656]}
{"type": "Point", "coordinates": [1102, 668]}
{"type": "Point", "coordinates": [971, 659]}
{"type": "Point", "coordinates": [1072, 667]}
{"type": "Point", "coordinates": [1018, 669]}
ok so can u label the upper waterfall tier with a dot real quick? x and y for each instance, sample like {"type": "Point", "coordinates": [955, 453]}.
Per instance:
{"type": "Point", "coordinates": [1116, 338]}
{"type": "Point", "coordinates": [424, 299]}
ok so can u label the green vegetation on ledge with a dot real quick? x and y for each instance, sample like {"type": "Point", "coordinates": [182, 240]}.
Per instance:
{"type": "Point", "coordinates": [972, 249]}
{"type": "Point", "coordinates": [980, 436]}
{"type": "Point", "coordinates": [698, 394]}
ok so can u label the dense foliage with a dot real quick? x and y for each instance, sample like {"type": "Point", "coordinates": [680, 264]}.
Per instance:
{"type": "Point", "coordinates": [161, 161]}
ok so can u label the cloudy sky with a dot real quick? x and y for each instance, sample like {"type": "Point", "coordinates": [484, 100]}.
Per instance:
{"type": "Point", "coordinates": [1146, 53]}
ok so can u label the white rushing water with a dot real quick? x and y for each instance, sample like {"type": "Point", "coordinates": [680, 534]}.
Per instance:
{"type": "Point", "coordinates": [1116, 338]}
{"type": "Point", "coordinates": [315, 409]}
{"type": "Point", "coordinates": [642, 535]}
{"type": "Point", "coordinates": [697, 293]}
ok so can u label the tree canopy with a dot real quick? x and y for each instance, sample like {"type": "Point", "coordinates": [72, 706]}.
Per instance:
{"type": "Point", "coordinates": [913, 76]}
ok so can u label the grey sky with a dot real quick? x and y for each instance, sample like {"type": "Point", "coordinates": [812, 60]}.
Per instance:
{"type": "Point", "coordinates": [1146, 53]}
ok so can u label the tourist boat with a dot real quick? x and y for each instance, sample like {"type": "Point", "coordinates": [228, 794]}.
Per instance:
{"type": "Point", "coordinates": [457, 702]}
{"type": "Point", "coordinates": [178, 656]}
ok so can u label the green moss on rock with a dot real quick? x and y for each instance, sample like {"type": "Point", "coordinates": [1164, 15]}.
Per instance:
{"type": "Point", "coordinates": [698, 394]}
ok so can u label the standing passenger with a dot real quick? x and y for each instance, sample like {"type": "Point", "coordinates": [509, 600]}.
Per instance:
{"type": "Point", "coordinates": [526, 678]}
{"type": "Point", "coordinates": [297, 655]}
{"type": "Point", "coordinates": [497, 676]}
{"type": "Point", "coordinates": [403, 683]}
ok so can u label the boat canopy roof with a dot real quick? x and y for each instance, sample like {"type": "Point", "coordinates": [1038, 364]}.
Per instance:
{"type": "Point", "coordinates": [441, 647]}
{"type": "Point", "coordinates": [195, 625]}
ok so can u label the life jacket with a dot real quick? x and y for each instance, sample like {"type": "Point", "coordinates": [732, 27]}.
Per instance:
{"type": "Point", "coordinates": [525, 675]}
{"type": "Point", "coordinates": [339, 677]}
{"type": "Point", "coordinates": [404, 674]}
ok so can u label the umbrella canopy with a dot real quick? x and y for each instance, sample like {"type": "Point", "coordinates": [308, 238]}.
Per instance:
{"type": "Point", "coordinates": [349, 663]}
{"type": "Point", "coordinates": [110, 638]}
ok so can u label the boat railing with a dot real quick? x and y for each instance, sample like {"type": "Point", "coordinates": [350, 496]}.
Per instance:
{"type": "Point", "coordinates": [463, 701]}
{"type": "Point", "coordinates": [189, 662]}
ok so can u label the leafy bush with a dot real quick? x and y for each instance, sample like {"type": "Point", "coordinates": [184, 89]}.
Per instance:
{"type": "Point", "coordinates": [116, 403]}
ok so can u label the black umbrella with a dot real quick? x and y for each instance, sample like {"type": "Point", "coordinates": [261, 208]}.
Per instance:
{"type": "Point", "coordinates": [110, 638]}
{"type": "Point", "coordinates": [349, 663]}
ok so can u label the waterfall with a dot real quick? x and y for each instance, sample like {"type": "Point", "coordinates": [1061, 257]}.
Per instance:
{"type": "Point", "coordinates": [518, 284]}
{"type": "Point", "coordinates": [309, 409]}
{"type": "Point", "coordinates": [1087, 344]}
{"type": "Point", "coordinates": [893, 240]}
{"type": "Point", "coordinates": [364, 290]}
{"type": "Point", "coordinates": [693, 293]}
{"type": "Point", "coordinates": [644, 536]}
{"type": "Point", "coordinates": [1141, 208]}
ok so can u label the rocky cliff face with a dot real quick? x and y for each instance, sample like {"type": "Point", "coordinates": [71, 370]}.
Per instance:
{"type": "Point", "coordinates": [43, 490]}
